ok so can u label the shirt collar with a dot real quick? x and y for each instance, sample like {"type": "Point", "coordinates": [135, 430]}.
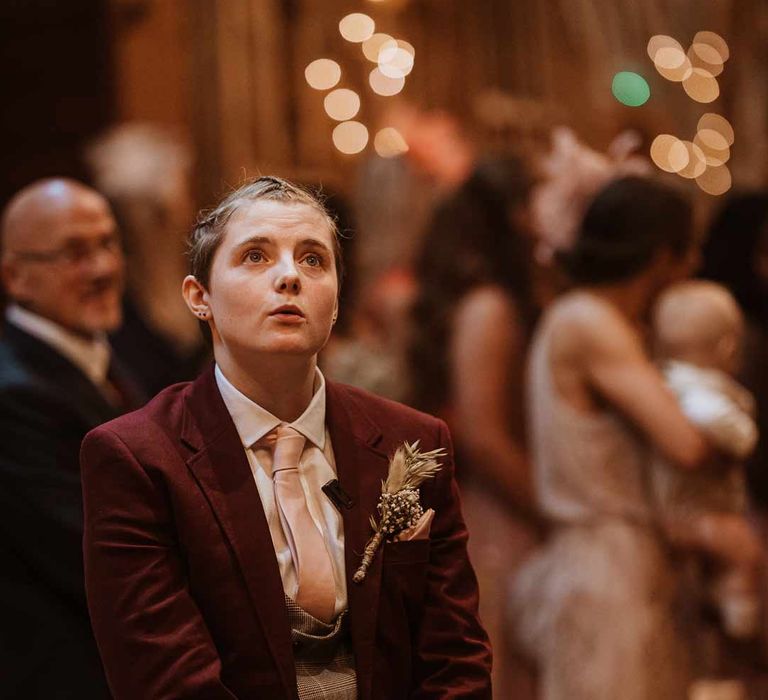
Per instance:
{"type": "Point", "coordinates": [90, 356]}
{"type": "Point", "coordinates": [253, 422]}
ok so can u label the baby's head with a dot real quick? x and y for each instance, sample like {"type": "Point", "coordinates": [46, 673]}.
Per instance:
{"type": "Point", "coordinates": [701, 323]}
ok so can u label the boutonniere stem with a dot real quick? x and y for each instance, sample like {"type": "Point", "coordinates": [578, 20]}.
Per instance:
{"type": "Point", "coordinates": [399, 506]}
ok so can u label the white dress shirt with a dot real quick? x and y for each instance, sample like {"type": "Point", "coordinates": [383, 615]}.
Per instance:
{"type": "Point", "coordinates": [90, 356]}
{"type": "Point", "coordinates": [316, 467]}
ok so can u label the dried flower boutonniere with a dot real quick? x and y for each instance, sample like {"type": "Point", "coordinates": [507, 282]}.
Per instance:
{"type": "Point", "coordinates": [399, 506]}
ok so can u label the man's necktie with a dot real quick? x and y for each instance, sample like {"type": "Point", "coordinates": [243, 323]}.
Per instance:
{"type": "Point", "coordinates": [314, 573]}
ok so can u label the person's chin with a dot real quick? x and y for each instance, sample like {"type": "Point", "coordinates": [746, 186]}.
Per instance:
{"type": "Point", "coordinates": [103, 321]}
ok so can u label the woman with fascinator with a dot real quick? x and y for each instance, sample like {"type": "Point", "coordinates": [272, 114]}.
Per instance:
{"type": "Point", "coordinates": [595, 605]}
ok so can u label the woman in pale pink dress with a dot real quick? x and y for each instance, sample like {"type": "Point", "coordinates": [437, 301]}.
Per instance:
{"type": "Point", "coordinates": [596, 604]}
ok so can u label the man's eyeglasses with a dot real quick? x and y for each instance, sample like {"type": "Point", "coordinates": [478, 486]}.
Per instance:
{"type": "Point", "coordinates": [75, 253]}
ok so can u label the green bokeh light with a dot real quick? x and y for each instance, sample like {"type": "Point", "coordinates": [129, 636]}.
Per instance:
{"type": "Point", "coordinates": [630, 89]}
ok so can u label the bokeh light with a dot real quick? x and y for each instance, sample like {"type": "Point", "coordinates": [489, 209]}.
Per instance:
{"type": "Point", "coordinates": [395, 61]}
{"type": "Point", "coordinates": [669, 153]}
{"type": "Point", "coordinates": [372, 45]}
{"type": "Point", "coordinates": [715, 181]}
{"type": "Point", "coordinates": [384, 85]}
{"type": "Point", "coordinates": [706, 57]}
{"type": "Point", "coordinates": [350, 137]}
{"type": "Point", "coordinates": [662, 41]}
{"type": "Point", "coordinates": [342, 104]}
{"type": "Point", "coordinates": [322, 74]}
{"type": "Point", "coordinates": [389, 142]}
{"type": "Point", "coordinates": [673, 64]}
{"type": "Point", "coordinates": [714, 156]}
{"type": "Point", "coordinates": [721, 125]}
{"type": "Point", "coordinates": [697, 163]}
{"type": "Point", "coordinates": [628, 88]}
{"type": "Point", "coordinates": [357, 27]}
{"type": "Point", "coordinates": [716, 42]}
{"type": "Point", "coordinates": [701, 86]}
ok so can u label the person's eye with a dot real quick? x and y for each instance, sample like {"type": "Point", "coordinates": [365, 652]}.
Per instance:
{"type": "Point", "coordinates": [313, 260]}
{"type": "Point", "coordinates": [255, 256]}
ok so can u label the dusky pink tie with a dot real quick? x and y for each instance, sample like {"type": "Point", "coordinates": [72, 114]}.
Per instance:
{"type": "Point", "coordinates": [314, 573]}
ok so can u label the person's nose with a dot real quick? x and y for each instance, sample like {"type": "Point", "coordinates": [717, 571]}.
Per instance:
{"type": "Point", "coordinates": [287, 279]}
{"type": "Point", "coordinates": [105, 262]}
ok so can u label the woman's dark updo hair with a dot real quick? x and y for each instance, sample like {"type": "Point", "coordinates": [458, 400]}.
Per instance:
{"type": "Point", "coordinates": [626, 224]}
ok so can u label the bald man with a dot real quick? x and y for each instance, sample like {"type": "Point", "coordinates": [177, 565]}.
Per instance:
{"type": "Point", "coordinates": [61, 268]}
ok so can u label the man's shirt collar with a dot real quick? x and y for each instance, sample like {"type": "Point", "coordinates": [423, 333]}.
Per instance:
{"type": "Point", "coordinates": [90, 356]}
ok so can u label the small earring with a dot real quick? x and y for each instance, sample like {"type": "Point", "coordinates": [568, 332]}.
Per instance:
{"type": "Point", "coordinates": [202, 314]}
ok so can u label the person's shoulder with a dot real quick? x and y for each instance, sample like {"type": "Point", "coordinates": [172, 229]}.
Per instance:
{"type": "Point", "coordinates": [582, 322]}
{"type": "Point", "coordinates": [161, 414]}
{"type": "Point", "coordinates": [384, 411]}
{"type": "Point", "coordinates": [486, 305]}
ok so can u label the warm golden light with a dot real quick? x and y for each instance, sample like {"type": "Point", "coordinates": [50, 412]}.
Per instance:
{"type": "Point", "coordinates": [372, 46]}
{"type": "Point", "coordinates": [715, 157]}
{"type": "Point", "coordinates": [384, 85]}
{"type": "Point", "coordinates": [669, 153]}
{"type": "Point", "coordinates": [395, 61]}
{"type": "Point", "coordinates": [672, 63]}
{"type": "Point", "coordinates": [701, 86]}
{"type": "Point", "coordinates": [389, 142]}
{"type": "Point", "coordinates": [713, 139]}
{"type": "Point", "coordinates": [719, 124]}
{"type": "Point", "coordinates": [662, 41]}
{"type": "Point", "coordinates": [715, 181]}
{"type": "Point", "coordinates": [341, 104]}
{"type": "Point", "coordinates": [706, 57]}
{"type": "Point", "coordinates": [716, 42]}
{"type": "Point", "coordinates": [322, 74]}
{"type": "Point", "coordinates": [350, 137]}
{"type": "Point", "coordinates": [356, 27]}
{"type": "Point", "coordinates": [697, 163]}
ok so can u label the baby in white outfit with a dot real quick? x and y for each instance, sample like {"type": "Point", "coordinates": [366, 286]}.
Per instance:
{"type": "Point", "coordinates": [698, 330]}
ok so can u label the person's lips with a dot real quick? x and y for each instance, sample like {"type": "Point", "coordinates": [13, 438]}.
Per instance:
{"type": "Point", "coordinates": [288, 312]}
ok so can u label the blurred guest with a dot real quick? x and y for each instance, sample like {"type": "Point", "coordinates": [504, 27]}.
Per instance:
{"type": "Point", "coordinates": [471, 321]}
{"type": "Point", "coordinates": [62, 271]}
{"type": "Point", "coordinates": [698, 330]}
{"type": "Point", "coordinates": [735, 254]}
{"type": "Point", "coordinates": [595, 606]}
{"type": "Point", "coordinates": [369, 351]}
{"type": "Point", "coordinates": [145, 171]}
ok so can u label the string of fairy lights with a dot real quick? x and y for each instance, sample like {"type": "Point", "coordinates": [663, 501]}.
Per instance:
{"type": "Point", "coordinates": [394, 59]}
{"type": "Point", "coordinates": [703, 158]}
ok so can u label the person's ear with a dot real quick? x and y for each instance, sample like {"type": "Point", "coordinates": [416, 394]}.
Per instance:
{"type": "Point", "coordinates": [14, 278]}
{"type": "Point", "coordinates": [335, 312]}
{"type": "Point", "coordinates": [197, 297]}
{"type": "Point", "coordinates": [727, 346]}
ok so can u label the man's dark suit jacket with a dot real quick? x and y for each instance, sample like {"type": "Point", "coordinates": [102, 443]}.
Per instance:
{"type": "Point", "coordinates": [183, 584]}
{"type": "Point", "coordinates": [47, 405]}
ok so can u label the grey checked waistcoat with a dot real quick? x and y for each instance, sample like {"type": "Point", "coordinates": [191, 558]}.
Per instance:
{"type": "Point", "coordinates": [325, 665]}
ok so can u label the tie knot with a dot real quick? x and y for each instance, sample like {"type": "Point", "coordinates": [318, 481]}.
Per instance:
{"type": "Point", "coordinates": [288, 448]}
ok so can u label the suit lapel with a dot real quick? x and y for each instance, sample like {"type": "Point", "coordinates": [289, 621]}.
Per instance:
{"type": "Point", "coordinates": [55, 370]}
{"type": "Point", "coordinates": [221, 467]}
{"type": "Point", "coordinates": [360, 467]}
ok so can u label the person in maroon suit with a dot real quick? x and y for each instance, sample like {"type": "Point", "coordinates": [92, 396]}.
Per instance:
{"type": "Point", "coordinates": [198, 580]}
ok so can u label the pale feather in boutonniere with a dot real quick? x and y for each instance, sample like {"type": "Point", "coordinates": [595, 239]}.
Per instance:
{"type": "Point", "coordinates": [399, 506]}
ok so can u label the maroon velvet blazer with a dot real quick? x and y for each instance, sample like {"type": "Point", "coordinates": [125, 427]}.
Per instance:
{"type": "Point", "coordinates": [183, 586]}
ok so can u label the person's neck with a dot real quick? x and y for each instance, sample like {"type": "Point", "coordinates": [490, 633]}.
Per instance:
{"type": "Point", "coordinates": [631, 298]}
{"type": "Point", "coordinates": [282, 385]}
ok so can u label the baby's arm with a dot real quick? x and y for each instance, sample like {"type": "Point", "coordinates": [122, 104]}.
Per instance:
{"type": "Point", "coordinates": [730, 428]}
